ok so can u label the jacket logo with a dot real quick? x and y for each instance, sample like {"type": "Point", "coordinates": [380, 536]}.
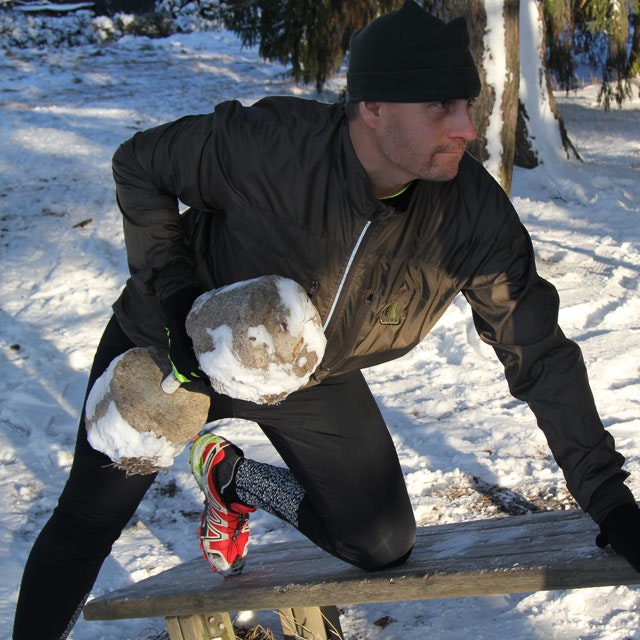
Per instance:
{"type": "Point", "coordinates": [389, 314]}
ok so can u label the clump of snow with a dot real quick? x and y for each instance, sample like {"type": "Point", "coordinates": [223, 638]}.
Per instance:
{"type": "Point", "coordinates": [111, 434]}
{"type": "Point", "coordinates": [130, 419]}
{"type": "Point", "coordinates": [100, 388]}
{"type": "Point", "coordinates": [114, 436]}
{"type": "Point", "coordinates": [257, 340]}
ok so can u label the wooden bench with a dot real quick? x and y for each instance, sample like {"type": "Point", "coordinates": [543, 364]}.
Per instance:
{"type": "Point", "coordinates": [519, 554]}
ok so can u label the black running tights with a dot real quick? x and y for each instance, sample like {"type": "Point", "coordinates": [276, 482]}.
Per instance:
{"type": "Point", "coordinates": [331, 436]}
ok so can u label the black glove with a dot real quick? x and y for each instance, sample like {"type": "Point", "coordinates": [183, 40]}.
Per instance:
{"type": "Point", "coordinates": [175, 309]}
{"type": "Point", "coordinates": [621, 529]}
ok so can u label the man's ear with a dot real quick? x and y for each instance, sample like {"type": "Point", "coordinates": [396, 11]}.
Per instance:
{"type": "Point", "coordinates": [370, 113]}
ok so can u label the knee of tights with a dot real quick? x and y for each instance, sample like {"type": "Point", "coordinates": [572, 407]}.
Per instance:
{"type": "Point", "coordinates": [79, 537]}
{"type": "Point", "coordinates": [381, 560]}
{"type": "Point", "coordinates": [376, 565]}
{"type": "Point", "coordinates": [382, 551]}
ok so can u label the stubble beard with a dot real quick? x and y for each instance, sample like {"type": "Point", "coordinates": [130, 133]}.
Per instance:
{"type": "Point", "coordinates": [441, 164]}
{"type": "Point", "coordinates": [444, 164]}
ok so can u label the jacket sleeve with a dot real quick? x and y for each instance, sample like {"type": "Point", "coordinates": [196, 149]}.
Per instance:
{"type": "Point", "coordinates": [154, 171]}
{"type": "Point", "coordinates": [516, 312]}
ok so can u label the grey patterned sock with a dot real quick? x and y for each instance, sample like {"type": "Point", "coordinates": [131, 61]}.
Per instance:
{"type": "Point", "coordinates": [273, 489]}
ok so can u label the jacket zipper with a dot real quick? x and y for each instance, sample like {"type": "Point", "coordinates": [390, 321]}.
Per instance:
{"type": "Point", "coordinates": [345, 275]}
{"type": "Point", "coordinates": [342, 291]}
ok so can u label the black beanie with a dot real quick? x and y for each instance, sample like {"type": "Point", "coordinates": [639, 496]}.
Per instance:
{"type": "Point", "coordinates": [408, 55]}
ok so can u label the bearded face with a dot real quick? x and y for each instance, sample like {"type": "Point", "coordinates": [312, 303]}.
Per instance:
{"type": "Point", "coordinates": [425, 140]}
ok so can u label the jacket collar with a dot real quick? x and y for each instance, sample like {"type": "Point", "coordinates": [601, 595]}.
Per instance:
{"type": "Point", "coordinates": [356, 180]}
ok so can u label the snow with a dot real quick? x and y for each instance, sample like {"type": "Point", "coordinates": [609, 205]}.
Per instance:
{"type": "Point", "coordinates": [254, 362]}
{"type": "Point", "coordinates": [114, 436]}
{"type": "Point", "coordinates": [457, 430]}
{"type": "Point", "coordinates": [300, 317]}
{"type": "Point", "coordinates": [495, 63]}
{"type": "Point", "coordinates": [46, 6]}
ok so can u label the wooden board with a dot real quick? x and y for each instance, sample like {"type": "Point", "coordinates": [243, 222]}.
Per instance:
{"type": "Point", "coordinates": [519, 554]}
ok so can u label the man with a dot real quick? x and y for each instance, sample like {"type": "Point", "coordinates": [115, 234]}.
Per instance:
{"type": "Point", "coordinates": [378, 211]}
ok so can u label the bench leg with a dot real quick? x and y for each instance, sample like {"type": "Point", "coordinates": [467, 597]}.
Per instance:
{"type": "Point", "coordinates": [213, 626]}
{"type": "Point", "coordinates": [311, 623]}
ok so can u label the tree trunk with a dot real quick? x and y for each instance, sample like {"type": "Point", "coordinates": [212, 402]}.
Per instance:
{"type": "Point", "coordinates": [541, 134]}
{"type": "Point", "coordinates": [502, 53]}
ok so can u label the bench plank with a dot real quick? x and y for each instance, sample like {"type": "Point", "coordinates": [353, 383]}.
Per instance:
{"type": "Point", "coordinates": [518, 554]}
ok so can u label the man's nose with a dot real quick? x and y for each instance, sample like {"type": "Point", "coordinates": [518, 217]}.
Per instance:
{"type": "Point", "coordinates": [463, 126]}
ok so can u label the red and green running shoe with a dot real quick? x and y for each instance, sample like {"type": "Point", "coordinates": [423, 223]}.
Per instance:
{"type": "Point", "coordinates": [224, 532]}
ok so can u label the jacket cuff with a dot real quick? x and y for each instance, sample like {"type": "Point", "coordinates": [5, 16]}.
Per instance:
{"type": "Point", "coordinates": [173, 278]}
{"type": "Point", "coordinates": [607, 497]}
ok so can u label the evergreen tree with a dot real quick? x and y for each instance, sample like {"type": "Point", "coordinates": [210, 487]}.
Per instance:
{"type": "Point", "coordinates": [561, 41]}
{"type": "Point", "coordinates": [633, 70]}
{"type": "Point", "coordinates": [311, 35]}
{"type": "Point", "coordinates": [597, 32]}
{"type": "Point", "coordinates": [611, 17]}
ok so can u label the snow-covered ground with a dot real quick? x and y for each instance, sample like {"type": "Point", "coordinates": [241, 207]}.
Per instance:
{"type": "Point", "coordinates": [62, 263]}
